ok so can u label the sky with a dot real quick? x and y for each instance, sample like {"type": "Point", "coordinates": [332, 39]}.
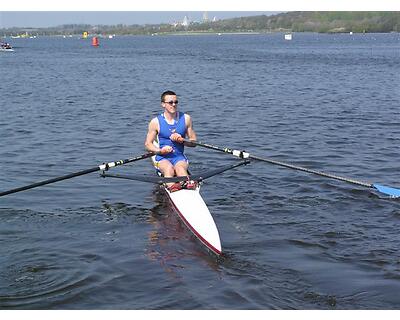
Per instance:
{"type": "Point", "coordinates": [47, 13]}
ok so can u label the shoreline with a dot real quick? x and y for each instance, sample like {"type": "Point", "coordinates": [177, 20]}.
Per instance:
{"type": "Point", "coordinates": [106, 35]}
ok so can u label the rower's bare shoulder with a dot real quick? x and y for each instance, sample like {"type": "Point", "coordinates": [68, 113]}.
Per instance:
{"type": "Point", "coordinates": [153, 124]}
{"type": "Point", "coordinates": [188, 119]}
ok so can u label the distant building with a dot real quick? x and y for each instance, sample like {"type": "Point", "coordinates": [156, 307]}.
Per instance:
{"type": "Point", "coordinates": [185, 21]}
{"type": "Point", "coordinates": [205, 17]}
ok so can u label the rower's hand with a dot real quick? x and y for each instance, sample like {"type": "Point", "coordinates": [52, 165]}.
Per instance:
{"type": "Point", "coordinates": [176, 137]}
{"type": "Point", "coordinates": [165, 150]}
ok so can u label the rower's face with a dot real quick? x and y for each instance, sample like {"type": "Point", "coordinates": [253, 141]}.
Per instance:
{"type": "Point", "coordinates": [170, 103]}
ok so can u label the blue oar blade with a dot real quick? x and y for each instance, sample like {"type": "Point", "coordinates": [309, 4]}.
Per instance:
{"type": "Point", "coordinates": [393, 192]}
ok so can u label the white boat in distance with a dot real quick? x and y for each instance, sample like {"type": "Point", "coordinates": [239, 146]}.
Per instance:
{"type": "Point", "coordinates": [288, 36]}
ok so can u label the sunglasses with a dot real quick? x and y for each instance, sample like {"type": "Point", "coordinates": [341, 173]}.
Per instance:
{"type": "Point", "coordinates": [171, 102]}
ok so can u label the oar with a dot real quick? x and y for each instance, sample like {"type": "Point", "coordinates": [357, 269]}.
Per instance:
{"type": "Point", "coordinates": [393, 192]}
{"type": "Point", "coordinates": [104, 166]}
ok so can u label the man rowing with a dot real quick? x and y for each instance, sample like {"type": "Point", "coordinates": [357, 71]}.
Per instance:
{"type": "Point", "coordinates": [169, 129]}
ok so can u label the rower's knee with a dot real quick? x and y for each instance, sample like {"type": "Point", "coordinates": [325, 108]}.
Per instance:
{"type": "Point", "coordinates": [166, 168]}
{"type": "Point", "coordinates": [169, 172]}
{"type": "Point", "coordinates": [181, 170]}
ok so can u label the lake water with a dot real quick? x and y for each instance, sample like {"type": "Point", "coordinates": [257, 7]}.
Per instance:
{"type": "Point", "coordinates": [291, 240]}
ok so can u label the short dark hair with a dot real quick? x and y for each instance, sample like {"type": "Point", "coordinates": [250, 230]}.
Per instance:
{"type": "Point", "coordinates": [167, 93]}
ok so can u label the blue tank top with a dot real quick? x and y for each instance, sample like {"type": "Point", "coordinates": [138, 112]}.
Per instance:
{"type": "Point", "coordinates": [167, 129]}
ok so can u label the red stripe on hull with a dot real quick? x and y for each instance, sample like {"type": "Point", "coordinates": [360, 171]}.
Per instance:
{"type": "Point", "coordinates": [204, 241]}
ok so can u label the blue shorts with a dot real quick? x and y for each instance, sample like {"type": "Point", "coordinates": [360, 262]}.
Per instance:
{"type": "Point", "coordinates": [174, 160]}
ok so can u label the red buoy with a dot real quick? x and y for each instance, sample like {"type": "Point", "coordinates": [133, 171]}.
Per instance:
{"type": "Point", "coordinates": [95, 42]}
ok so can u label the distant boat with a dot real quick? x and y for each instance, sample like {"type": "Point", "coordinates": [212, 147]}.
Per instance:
{"type": "Point", "coordinates": [288, 36]}
{"type": "Point", "coordinates": [4, 46]}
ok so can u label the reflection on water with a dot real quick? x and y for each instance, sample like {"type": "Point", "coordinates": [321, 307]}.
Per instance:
{"type": "Point", "coordinates": [170, 241]}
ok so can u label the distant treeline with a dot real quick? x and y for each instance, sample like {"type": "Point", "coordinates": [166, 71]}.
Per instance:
{"type": "Point", "coordinates": [318, 22]}
{"type": "Point", "coordinates": [324, 22]}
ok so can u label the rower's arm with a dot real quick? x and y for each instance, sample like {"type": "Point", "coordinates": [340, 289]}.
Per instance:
{"type": "Point", "coordinates": [190, 133]}
{"type": "Point", "coordinates": [151, 136]}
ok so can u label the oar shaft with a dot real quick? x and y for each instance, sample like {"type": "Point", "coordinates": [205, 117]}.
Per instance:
{"type": "Point", "coordinates": [104, 166]}
{"type": "Point", "coordinates": [208, 146]}
{"type": "Point", "coordinates": [44, 182]}
{"type": "Point", "coordinates": [320, 173]}
{"type": "Point", "coordinates": [243, 154]}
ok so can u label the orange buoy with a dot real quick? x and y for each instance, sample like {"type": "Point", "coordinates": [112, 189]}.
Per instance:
{"type": "Point", "coordinates": [95, 42]}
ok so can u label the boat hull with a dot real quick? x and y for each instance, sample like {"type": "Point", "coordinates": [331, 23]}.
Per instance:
{"type": "Point", "coordinates": [194, 213]}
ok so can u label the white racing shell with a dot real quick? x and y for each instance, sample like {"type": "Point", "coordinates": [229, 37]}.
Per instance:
{"type": "Point", "coordinates": [193, 211]}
